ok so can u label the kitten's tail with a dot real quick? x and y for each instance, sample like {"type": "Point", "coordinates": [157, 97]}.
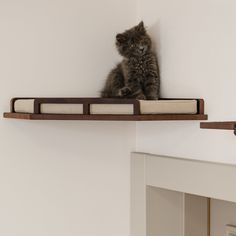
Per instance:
{"type": "Point", "coordinates": [104, 94]}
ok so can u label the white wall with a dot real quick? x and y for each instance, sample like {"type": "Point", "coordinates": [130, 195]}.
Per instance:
{"type": "Point", "coordinates": [59, 177]}
{"type": "Point", "coordinates": [196, 47]}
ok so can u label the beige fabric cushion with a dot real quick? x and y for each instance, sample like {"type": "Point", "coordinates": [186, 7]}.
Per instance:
{"type": "Point", "coordinates": [27, 106]}
{"type": "Point", "coordinates": [62, 108]}
{"type": "Point", "coordinates": [111, 109]}
{"type": "Point", "coordinates": [146, 107]}
{"type": "Point", "coordinates": [24, 106]}
{"type": "Point", "coordinates": [168, 107]}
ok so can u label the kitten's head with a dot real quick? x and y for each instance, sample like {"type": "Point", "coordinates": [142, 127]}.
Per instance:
{"type": "Point", "coordinates": [134, 42]}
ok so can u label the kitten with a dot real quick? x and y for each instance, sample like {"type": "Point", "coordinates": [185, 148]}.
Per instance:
{"type": "Point", "coordinates": [137, 76]}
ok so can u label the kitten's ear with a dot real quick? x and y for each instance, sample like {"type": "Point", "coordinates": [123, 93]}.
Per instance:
{"type": "Point", "coordinates": [120, 38]}
{"type": "Point", "coordinates": [140, 27]}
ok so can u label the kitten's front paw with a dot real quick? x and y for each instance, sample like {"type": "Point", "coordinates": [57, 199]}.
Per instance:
{"type": "Point", "coordinates": [152, 97]}
{"type": "Point", "coordinates": [141, 97]}
{"type": "Point", "coordinates": [124, 91]}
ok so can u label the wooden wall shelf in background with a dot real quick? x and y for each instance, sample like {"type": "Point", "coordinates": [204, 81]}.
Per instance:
{"type": "Point", "coordinates": [225, 125]}
{"type": "Point", "coordinates": [134, 110]}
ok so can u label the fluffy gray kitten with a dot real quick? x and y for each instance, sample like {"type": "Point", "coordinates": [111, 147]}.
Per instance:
{"type": "Point", "coordinates": [137, 76]}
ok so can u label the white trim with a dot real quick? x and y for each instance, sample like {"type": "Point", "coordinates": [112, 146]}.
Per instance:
{"type": "Point", "coordinates": [184, 214]}
{"type": "Point", "coordinates": [138, 195]}
{"type": "Point", "coordinates": [212, 180]}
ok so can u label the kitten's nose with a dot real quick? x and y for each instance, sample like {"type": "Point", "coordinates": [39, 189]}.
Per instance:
{"type": "Point", "coordinates": [142, 48]}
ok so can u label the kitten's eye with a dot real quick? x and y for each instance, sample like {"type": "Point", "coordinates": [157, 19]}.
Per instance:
{"type": "Point", "coordinates": [132, 45]}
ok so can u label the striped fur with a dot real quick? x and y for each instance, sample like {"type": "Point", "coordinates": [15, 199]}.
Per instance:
{"type": "Point", "coordinates": [137, 76]}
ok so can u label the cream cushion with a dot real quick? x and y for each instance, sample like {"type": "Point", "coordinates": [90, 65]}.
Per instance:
{"type": "Point", "coordinates": [27, 106]}
{"type": "Point", "coordinates": [146, 107]}
{"type": "Point", "coordinates": [111, 109]}
{"type": "Point", "coordinates": [168, 107]}
{"type": "Point", "coordinates": [24, 105]}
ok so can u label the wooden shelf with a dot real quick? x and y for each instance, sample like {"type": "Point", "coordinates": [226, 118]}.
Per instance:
{"type": "Point", "coordinates": [225, 125]}
{"type": "Point", "coordinates": [27, 116]}
{"type": "Point", "coordinates": [86, 113]}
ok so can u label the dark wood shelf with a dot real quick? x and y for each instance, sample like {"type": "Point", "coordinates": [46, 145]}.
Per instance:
{"type": "Point", "coordinates": [86, 102]}
{"type": "Point", "coordinates": [170, 117]}
{"type": "Point", "coordinates": [225, 125]}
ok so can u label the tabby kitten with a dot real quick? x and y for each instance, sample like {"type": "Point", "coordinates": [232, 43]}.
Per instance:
{"type": "Point", "coordinates": [137, 76]}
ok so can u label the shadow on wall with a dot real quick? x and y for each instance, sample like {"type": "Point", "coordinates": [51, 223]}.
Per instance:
{"type": "Point", "coordinates": [155, 33]}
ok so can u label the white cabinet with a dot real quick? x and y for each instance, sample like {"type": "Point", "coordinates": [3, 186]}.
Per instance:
{"type": "Point", "coordinates": [176, 197]}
